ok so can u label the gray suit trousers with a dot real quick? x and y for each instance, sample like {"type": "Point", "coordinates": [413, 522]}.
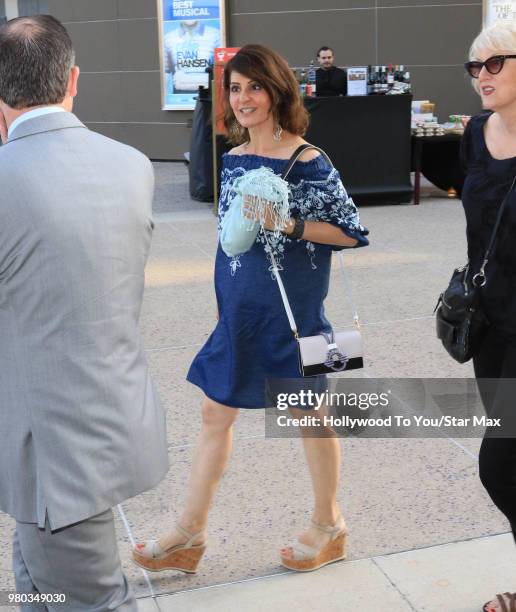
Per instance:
{"type": "Point", "coordinates": [80, 561]}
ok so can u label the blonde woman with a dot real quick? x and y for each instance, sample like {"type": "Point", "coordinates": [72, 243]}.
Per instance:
{"type": "Point", "coordinates": [489, 153]}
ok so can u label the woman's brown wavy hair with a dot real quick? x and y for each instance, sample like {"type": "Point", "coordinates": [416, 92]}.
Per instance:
{"type": "Point", "coordinates": [263, 65]}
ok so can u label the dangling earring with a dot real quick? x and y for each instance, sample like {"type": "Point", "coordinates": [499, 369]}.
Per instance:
{"type": "Point", "coordinates": [278, 131]}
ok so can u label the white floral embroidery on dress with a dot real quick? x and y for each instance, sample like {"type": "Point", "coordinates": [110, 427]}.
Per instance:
{"type": "Point", "coordinates": [312, 200]}
{"type": "Point", "coordinates": [234, 264]}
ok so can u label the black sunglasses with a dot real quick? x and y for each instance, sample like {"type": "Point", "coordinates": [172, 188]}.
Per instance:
{"type": "Point", "coordinates": [493, 65]}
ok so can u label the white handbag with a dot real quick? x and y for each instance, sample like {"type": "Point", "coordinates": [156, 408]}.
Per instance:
{"type": "Point", "coordinates": [327, 353]}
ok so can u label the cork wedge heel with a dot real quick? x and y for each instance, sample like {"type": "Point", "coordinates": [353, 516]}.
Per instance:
{"type": "Point", "coordinates": [504, 602]}
{"type": "Point", "coordinates": [182, 557]}
{"type": "Point", "coordinates": [306, 558]}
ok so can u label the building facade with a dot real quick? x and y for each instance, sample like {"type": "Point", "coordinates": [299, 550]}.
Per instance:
{"type": "Point", "coordinates": [117, 48]}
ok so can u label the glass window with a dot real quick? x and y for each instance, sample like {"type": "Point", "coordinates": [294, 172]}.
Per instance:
{"type": "Point", "coordinates": [2, 11]}
{"type": "Point", "coordinates": [32, 7]}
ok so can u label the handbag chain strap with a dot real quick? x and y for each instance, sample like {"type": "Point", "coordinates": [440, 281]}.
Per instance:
{"type": "Point", "coordinates": [479, 279]}
{"type": "Point", "coordinates": [290, 315]}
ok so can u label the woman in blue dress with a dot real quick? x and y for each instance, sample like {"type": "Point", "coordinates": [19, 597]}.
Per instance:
{"type": "Point", "coordinates": [252, 340]}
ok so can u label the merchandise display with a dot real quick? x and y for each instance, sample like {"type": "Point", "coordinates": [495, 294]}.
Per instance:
{"type": "Point", "coordinates": [390, 79]}
{"type": "Point", "coordinates": [428, 129]}
{"type": "Point", "coordinates": [425, 123]}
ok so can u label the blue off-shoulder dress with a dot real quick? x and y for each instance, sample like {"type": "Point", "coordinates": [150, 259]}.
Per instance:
{"type": "Point", "coordinates": [252, 341]}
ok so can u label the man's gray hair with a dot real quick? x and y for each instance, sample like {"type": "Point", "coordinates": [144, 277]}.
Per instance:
{"type": "Point", "coordinates": [36, 56]}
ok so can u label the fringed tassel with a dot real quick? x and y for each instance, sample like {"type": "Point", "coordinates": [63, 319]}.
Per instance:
{"type": "Point", "coordinates": [264, 194]}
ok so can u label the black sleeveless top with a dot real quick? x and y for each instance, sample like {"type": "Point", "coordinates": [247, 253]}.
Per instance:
{"type": "Point", "coordinates": [487, 182]}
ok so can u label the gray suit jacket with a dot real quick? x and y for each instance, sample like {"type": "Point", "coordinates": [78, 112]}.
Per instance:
{"type": "Point", "coordinates": [81, 426]}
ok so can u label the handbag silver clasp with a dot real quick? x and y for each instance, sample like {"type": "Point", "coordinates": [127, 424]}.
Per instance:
{"type": "Point", "coordinates": [479, 275]}
{"type": "Point", "coordinates": [335, 359]}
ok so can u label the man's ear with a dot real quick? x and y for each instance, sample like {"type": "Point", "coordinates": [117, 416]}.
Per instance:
{"type": "Point", "coordinates": [71, 90]}
{"type": "Point", "coordinates": [3, 124]}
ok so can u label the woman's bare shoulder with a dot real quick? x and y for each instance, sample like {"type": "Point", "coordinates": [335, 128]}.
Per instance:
{"type": "Point", "coordinates": [240, 150]}
{"type": "Point", "coordinates": [309, 154]}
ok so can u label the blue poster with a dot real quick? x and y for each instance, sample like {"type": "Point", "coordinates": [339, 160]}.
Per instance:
{"type": "Point", "coordinates": [191, 31]}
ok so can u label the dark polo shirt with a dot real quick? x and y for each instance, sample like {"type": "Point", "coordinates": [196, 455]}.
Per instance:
{"type": "Point", "coordinates": [332, 82]}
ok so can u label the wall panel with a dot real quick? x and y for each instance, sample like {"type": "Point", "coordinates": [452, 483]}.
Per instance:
{"type": "Point", "coordinates": [430, 34]}
{"type": "Point", "coordinates": [84, 10]}
{"type": "Point", "coordinates": [299, 6]}
{"type": "Point", "coordinates": [97, 45]}
{"type": "Point", "coordinates": [134, 9]}
{"type": "Point", "coordinates": [351, 34]}
{"type": "Point", "coordinates": [139, 44]}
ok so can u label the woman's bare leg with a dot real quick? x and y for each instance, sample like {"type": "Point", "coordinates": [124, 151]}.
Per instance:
{"type": "Point", "coordinates": [322, 451]}
{"type": "Point", "coordinates": [211, 455]}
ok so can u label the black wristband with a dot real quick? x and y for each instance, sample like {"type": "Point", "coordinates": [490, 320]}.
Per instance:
{"type": "Point", "coordinates": [298, 231]}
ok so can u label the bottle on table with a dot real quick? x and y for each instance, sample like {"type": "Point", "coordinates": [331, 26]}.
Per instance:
{"type": "Point", "coordinates": [311, 79]}
{"type": "Point", "coordinates": [383, 79]}
{"type": "Point", "coordinates": [370, 81]}
{"type": "Point", "coordinates": [377, 80]}
{"type": "Point", "coordinates": [302, 82]}
{"type": "Point", "coordinates": [406, 80]}
{"type": "Point", "coordinates": [390, 76]}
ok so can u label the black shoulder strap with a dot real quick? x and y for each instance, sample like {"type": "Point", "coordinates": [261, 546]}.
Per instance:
{"type": "Point", "coordinates": [499, 218]}
{"type": "Point", "coordinates": [479, 279]}
{"type": "Point", "coordinates": [466, 146]}
{"type": "Point", "coordinates": [297, 154]}
{"type": "Point", "coordinates": [471, 138]}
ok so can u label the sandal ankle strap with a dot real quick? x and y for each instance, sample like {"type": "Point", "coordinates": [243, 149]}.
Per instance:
{"type": "Point", "coordinates": [338, 527]}
{"type": "Point", "coordinates": [189, 536]}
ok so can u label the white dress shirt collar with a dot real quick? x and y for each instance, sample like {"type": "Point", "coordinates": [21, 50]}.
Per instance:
{"type": "Point", "coordinates": [37, 112]}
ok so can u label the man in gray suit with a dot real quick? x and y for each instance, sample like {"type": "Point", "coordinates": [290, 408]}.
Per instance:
{"type": "Point", "coordinates": [81, 427]}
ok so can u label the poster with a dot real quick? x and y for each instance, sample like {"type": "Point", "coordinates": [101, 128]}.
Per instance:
{"type": "Point", "coordinates": [357, 81]}
{"type": "Point", "coordinates": [222, 57]}
{"type": "Point", "coordinates": [190, 30]}
{"type": "Point", "coordinates": [496, 10]}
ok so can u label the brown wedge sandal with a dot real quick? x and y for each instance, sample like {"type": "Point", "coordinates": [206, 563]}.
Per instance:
{"type": "Point", "coordinates": [506, 603]}
{"type": "Point", "coordinates": [182, 557]}
{"type": "Point", "coordinates": [309, 558]}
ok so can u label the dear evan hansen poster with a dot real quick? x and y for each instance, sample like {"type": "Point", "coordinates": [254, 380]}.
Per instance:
{"type": "Point", "coordinates": [191, 29]}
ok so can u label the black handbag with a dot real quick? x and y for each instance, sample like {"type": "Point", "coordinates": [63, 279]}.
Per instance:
{"type": "Point", "coordinates": [460, 321]}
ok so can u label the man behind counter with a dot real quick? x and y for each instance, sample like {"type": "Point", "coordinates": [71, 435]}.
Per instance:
{"type": "Point", "coordinates": [330, 80]}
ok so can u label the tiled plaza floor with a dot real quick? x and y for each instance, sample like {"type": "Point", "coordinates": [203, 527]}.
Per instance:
{"type": "Point", "coordinates": [398, 495]}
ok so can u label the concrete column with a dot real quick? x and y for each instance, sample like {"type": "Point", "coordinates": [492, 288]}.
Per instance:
{"type": "Point", "coordinates": [11, 9]}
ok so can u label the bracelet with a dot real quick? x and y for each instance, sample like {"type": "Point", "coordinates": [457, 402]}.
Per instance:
{"type": "Point", "coordinates": [298, 231]}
